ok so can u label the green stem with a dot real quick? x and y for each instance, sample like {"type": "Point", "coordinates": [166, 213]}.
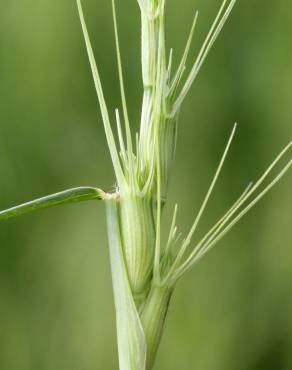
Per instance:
{"type": "Point", "coordinates": [138, 333]}
{"type": "Point", "coordinates": [130, 334]}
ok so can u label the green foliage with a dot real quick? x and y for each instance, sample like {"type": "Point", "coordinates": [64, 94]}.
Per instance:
{"type": "Point", "coordinates": [75, 195]}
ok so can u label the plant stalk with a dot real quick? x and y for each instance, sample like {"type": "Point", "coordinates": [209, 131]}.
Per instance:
{"type": "Point", "coordinates": [130, 334]}
{"type": "Point", "coordinates": [139, 323]}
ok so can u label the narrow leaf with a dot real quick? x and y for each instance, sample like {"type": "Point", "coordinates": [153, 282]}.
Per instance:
{"type": "Point", "coordinates": [75, 195]}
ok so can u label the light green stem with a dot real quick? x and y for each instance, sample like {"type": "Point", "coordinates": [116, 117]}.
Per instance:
{"type": "Point", "coordinates": [130, 334]}
{"type": "Point", "coordinates": [138, 330]}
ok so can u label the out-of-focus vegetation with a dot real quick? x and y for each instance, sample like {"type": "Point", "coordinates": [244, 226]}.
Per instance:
{"type": "Point", "coordinates": [234, 311]}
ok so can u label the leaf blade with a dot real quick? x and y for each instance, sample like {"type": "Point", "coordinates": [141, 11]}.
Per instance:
{"type": "Point", "coordinates": [74, 195]}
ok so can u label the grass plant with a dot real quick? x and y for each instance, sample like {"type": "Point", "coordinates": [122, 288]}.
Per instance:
{"type": "Point", "coordinates": [145, 270]}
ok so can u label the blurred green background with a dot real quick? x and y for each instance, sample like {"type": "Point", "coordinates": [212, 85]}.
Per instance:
{"type": "Point", "coordinates": [234, 310]}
